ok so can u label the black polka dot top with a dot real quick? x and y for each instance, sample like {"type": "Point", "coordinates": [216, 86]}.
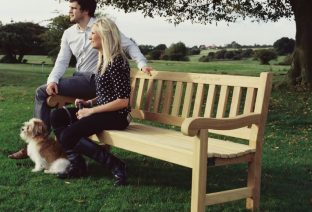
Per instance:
{"type": "Point", "coordinates": [114, 83]}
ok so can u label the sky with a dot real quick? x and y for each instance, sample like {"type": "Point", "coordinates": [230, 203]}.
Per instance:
{"type": "Point", "coordinates": [148, 31]}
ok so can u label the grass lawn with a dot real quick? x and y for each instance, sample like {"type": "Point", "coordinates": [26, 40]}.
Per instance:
{"type": "Point", "coordinates": [156, 185]}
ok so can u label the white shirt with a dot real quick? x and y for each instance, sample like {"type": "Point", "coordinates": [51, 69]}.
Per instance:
{"type": "Point", "coordinates": [76, 42]}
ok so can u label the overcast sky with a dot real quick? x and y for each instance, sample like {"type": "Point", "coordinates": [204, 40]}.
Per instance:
{"type": "Point", "coordinates": [156, 31]}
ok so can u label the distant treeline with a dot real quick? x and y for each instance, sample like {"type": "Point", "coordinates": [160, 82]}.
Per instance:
{"type": "Point", "coordinates": [25, 38]}
{"type": "Point", "coordinates": [232, 51]}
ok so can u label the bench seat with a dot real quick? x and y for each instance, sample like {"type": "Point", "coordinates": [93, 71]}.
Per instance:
{"type": "Point", "coordinates": [169, 145]}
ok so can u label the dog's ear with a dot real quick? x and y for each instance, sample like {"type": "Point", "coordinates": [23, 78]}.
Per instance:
{"type": "Point", "coordinates": [39, 128]}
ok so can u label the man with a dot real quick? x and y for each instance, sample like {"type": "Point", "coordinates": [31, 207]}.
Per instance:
{"type": "Point", "coordinates": [75, 41]}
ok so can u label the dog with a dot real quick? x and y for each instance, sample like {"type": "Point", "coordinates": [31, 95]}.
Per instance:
{"type": "Point", "coordinates": [44, 151]}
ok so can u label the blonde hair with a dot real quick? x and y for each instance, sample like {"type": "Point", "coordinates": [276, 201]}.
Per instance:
{"type": "Point", "coordinates": [110, 40]}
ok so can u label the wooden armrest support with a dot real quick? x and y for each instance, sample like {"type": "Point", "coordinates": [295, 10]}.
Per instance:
{"type": "Point", "coordinates": [59, 101]}
{"type": "Point", "coordinates": [191, 126]}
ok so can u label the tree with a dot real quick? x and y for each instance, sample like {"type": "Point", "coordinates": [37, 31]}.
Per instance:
{"type": "Point", "coordinates": [219, 55]}
{"type": "Point", "coordinates": [194, 50]}
{"type": "Point", "coordinates": [161, 47]}
{"type": "Point", "coordinates": [53, 35]}
{"type": "Point", "coordinates": [233, 45]}
{"type": "Point", "coordinates": [247, 53]}
{"type": "Point", "coordinates": [155, 54]}
{"type": "Point", "coordinates": [145, 49]}
{"type": "Point", "coordinates": [284, 46]}
{"type": "Point", "coordinates": [177, 52]}
{"type": "Point", "coordinates": [208, 11]}
{"type": "Point", "coordinates": [158, 52]}
{"type": "Point", "coordinates": [19, 39]}
{"type": "Point", "coordinates": [265, 55]}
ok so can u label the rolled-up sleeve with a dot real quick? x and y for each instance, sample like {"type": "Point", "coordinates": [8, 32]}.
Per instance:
{"type": "Point", "coordinates": [62, 61]}
{"type": "Point", "coordinates": [133, 50]}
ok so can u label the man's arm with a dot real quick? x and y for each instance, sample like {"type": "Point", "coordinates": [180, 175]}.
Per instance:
{"type": "Point", "coordinates": [61, 63]}
{"type": "Point", "coordinates": [133, 50]}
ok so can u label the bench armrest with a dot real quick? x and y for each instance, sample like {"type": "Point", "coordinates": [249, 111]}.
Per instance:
{"type": "Point", "coordinates": [191, 126]}
{"type": "Point", "coordinates": [59, 101]}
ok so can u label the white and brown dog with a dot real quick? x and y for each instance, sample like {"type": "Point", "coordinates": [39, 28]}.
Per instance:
{"type": "Point", "coordinates": [44, 151]}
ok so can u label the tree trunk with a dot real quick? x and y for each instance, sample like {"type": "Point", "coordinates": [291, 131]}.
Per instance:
{"type": "Point", "coordinates": [301, 69]}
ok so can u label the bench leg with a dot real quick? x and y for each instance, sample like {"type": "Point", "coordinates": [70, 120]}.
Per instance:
{"type": "Point", "coordinates": [199, 172]}
{"type": "Point", "coordinates": [254, 181]}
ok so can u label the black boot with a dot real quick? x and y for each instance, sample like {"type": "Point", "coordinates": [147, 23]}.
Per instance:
{"type": "Point", "coordinates": [96, 152]}
{"type": "Point", "coordinates": [77, 167]}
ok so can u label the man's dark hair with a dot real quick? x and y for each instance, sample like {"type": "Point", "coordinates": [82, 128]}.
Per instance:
{"type": "Point", "coordinates": [87, 5]}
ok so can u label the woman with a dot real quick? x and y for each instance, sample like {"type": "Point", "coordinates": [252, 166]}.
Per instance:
{"type": "Point", "coordinates": [108, 111]}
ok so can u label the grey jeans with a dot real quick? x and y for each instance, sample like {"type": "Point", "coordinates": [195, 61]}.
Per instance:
{"type": "Point", "coordinates": [79, 86]}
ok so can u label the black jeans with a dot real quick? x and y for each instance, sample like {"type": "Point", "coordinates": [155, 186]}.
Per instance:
{"type": "Point", "coordinates": [69, 130]}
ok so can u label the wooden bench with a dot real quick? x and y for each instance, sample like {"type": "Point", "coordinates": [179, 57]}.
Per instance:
{"type": "Point", "coordinates": [213, 113]}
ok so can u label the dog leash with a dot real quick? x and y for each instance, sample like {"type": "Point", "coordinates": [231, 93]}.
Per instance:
{"type": "Point", "coordinates": [69, 115]}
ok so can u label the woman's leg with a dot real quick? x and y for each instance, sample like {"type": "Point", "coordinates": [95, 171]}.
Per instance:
{"type": "Point", "coordinates": [60, 120]}
{"type": "Point", "coordinates": [90, 125]}
{"type": "Point", "coordinates": [80, 130]}
{"type": "Point", "coordinates": [94, 151]}
{"type": "Point", "coordinates": [74, 138]}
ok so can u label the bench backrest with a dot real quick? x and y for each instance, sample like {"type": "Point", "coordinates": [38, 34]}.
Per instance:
{"type": "Point", "coordinates": [170, 97]}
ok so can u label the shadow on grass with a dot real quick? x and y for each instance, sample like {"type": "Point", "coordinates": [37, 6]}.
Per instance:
{"type": "Point", "coordinates": [144, 171]}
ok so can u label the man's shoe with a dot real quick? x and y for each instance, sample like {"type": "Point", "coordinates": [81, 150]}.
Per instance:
{"type": "Point", "coordinates": [21, 154]}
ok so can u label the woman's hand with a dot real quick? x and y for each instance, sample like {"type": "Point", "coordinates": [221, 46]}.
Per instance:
{"type": "Point", "coordinates": [84, 113]}
{"type": "Point", "coordinates": [79, 101]}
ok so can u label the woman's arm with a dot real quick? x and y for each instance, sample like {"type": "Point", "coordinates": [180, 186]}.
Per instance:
{"type": "Point", "coordinates": [88, 103]}
{"type": "Point", "coordinates": [109, 107]}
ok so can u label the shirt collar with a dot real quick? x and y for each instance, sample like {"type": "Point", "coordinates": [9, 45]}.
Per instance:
{"type": "Point", "coordinates": [89, 25]}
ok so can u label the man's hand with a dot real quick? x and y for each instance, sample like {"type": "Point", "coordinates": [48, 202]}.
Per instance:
{"type": "Point", "coordinates": [52, 89]}
{"type": "Point", "coordinates": [147, 70]}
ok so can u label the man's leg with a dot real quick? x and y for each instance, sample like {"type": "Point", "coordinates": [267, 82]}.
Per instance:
{"type": "Point", "coordinates": [41, 109]}
{"type": "Point", "coordinates": [79, 85]}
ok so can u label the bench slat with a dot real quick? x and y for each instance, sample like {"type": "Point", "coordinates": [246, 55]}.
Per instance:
{"type": "Point", "coordinates": [132, 94]}
{"type": "Point", "coordinates": [210, 101]}
{"type": "Point", "coordinates": [140, 96]}
{"type": "Point", "coordinates": [250, 100]}
{"type": "Point", "coordinates": [177, 99]}
{"type": "Point", "coordinates": [187, 100]}
{"type": "Point", "coordinates": [157, 96]}
{"type": "Point", "coordinates": [149, 95]}
{"type": "Point", "coordinates": [236, 99]}
{"type": "Point", "coordinates": [167, 97]}
{"type": "Point", "coordinates": [224, 93]}
{"type": "Point", "coordinates": [161, 118]}
{"type": "Point", "coordinates": [198, 100]}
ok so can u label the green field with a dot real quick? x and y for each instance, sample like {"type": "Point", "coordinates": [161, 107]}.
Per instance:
{"type": "Point", "coordinates": [156, 185]}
